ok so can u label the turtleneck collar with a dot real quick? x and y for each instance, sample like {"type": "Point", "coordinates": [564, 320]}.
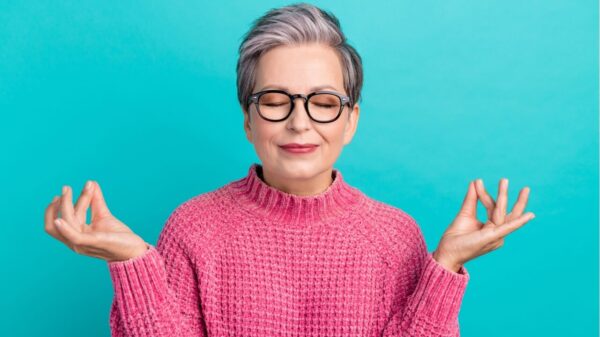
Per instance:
{"type": "Point", "coordinates": [255, 195]}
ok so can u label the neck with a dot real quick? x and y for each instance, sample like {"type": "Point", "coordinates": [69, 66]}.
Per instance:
{"type": "Point", "coordinates": [301, 186]}
{"type": "Point", "coordinates": [336, 202]}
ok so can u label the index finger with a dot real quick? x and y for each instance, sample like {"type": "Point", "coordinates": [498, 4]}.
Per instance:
{"type": "Point", "coordinates": [506, 228]}
{"type": "Point", "coordinates": [49, 216]}
{"type": "Point", "coordinates": [66, 205]}
{"type": "Point", "coordinates": [83, 202]}
{"type": "Point", "coordinates": [487, 201]}
{"type": "Point", "coordinates": [50, 213]}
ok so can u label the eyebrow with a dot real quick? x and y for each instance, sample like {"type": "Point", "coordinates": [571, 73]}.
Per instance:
{"type": "Point", "coordinates": [281, 87]}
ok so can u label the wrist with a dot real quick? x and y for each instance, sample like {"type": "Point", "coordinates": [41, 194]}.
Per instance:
{"type": "Point", "coordinates": [140, 251]}
{"type": "Point", "coordinates": [446, 263]}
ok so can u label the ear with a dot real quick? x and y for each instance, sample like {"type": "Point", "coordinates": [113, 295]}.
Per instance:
{"type": "Point", "coordinates": [352, 124]}
{"type": "Point", "coordinates": [247, 123]}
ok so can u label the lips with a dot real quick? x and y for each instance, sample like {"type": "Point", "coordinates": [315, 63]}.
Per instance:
{"type": "Point", "coordinates": [298, 146]}
{"type": "Point", "coordinates": [298, 149]}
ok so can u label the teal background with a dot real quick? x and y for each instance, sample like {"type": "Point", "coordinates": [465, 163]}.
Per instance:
{"type": "Point", "coordinates": [141, 96]}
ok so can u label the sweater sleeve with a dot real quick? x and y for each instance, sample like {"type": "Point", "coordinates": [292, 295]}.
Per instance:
{"type": "Point", "coordinates": [156, 294]}
{"type": "Point", "coordinates": [433, 306]}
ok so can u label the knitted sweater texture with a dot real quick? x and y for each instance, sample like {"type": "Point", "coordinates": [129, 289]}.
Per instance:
{"type": "Point", "coordinates": [248, 259]}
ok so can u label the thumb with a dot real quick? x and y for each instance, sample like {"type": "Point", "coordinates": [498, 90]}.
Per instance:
{"type": "Point", "coordinates": [99, 207]}
{"type": "Point", "coordinates": [469, 205]}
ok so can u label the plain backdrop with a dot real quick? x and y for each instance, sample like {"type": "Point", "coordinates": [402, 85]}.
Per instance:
{"type": "Point", "coordinates": [141, 96]}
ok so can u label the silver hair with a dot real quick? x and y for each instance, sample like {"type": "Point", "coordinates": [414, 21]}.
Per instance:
{"type": "Point", "coordinates": [295, 24]}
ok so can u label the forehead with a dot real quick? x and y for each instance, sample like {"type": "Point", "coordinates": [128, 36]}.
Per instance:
{"type": "Point", "coordinates": [300, 67]}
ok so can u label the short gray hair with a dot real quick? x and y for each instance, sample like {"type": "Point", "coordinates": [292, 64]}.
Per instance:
{"type": "Point", "coordinates": [295, 24]}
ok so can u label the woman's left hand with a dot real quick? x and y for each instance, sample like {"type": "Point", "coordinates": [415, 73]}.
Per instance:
{"type": "Point", "coordinates": [467, 238]}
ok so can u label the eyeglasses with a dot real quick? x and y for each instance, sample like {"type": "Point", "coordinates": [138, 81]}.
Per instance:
{"type": "Point", "coordinates": [277, 105]}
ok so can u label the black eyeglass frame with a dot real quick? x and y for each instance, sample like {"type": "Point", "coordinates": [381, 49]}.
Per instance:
{"type": "Point", "coordinates": [254, 98]}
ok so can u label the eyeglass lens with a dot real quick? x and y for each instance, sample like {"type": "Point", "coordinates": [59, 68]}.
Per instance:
{"type": "Point", "coordinates": [322, 107]}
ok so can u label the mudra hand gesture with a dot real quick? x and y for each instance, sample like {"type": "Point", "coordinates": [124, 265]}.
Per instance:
{"type": "Point", "coordinates": [105, 237]}
{"type": "Point", "coordinates": [467, 238]}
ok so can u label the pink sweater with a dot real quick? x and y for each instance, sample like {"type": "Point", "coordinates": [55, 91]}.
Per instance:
{"type": "Point", "coordinates": [250, 260]}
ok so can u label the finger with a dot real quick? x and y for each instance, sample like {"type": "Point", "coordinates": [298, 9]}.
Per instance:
{"type": "Point", "coordinates": [50, 212]}
{"type": "Point", "coordinates": [74, 239]}
{"type": "Point", "coordinates": [49, 217]}
{"type": "Point", "coordinates": [99, 207]}
{"type": "Point", "coordinates": [469, 205]}
{"type": "Point", "coordinates": [519, 206]}
{"type": "Point", "coordinates": [487, 201]}
{"type": "Point", "coordinates": [510, 226]}
{"type": "Point", "coordinates": [83, 202]}
{"type": "Point", "coordinates": [500, 210]}
{"type": "Point", "coordinates": [66, 206]}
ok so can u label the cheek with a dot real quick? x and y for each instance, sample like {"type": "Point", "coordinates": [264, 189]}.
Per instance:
{"type": "Point", "coordinates": [333, 135]}
{"type": "Point", "coordinates": [265, 136]}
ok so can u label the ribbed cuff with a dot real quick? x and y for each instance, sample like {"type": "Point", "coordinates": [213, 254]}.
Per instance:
{"type": "Point", "coordinates": [439, 293]}
{"type": "Point", "coordinates": [139, 283]}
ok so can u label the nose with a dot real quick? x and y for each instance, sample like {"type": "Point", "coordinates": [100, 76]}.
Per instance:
{"type": "Point", "coordinates": [299, 119]}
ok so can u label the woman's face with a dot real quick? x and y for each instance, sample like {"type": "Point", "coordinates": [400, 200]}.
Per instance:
{"type": "Point", "coordinates": [300, 69]}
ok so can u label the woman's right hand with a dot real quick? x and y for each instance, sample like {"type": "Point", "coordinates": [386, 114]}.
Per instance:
{"type": "Point", "coordinates": [105, 237]}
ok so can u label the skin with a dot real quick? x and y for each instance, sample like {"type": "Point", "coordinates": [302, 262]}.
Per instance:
{"type": "Point", "coordinates": [105, 237]}
{"type": "Point", "coordinates": [467, 238]}
{"type": "Point", "coordinates": [299, 69]}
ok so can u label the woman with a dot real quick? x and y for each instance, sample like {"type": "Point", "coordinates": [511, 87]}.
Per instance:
{"type": "Point", "coordinates": [291, 248]}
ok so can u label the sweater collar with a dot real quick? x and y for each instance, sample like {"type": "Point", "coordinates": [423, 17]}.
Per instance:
{"type": "Point", "coordinates": [337, 201]}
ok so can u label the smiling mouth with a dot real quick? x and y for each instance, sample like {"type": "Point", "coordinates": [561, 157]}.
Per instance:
{"type": "Point", "coordinates": [301, 149]}
{"type": "Point", "coordinates": [295, 145]}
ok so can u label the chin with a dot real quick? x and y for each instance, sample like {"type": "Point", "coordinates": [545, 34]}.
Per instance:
{"type": "Point", "coordinates": [297, 170]}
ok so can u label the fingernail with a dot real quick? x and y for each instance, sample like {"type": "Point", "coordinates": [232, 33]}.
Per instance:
{"type": "Point", "coordinates": [532, 216]}
{"type": "Point", "coordinates": [57, 222]}
{"type": "Point", "coordinates": [88, 185]}
{"type": "Point", "coordinates": [64, 190]}
{"type": "Point", "coordinates": [481, 181]}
